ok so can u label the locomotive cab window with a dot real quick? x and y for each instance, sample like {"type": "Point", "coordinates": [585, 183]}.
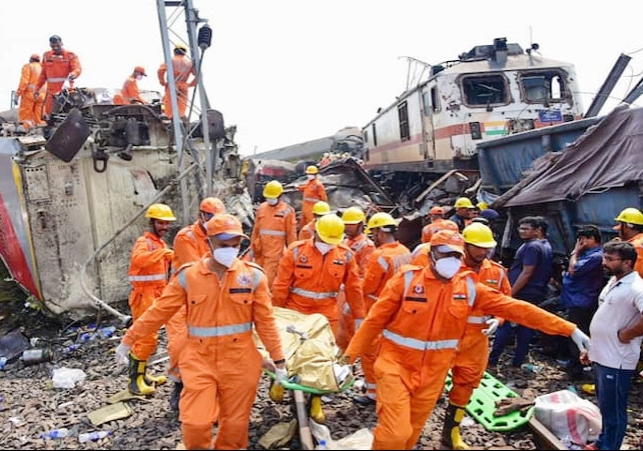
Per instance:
{"type": "Point", "coordinates": [484, 90]}
{"type": "Point", "coordinates": [543, 87]}
{"type": "Point", "coordinates": [403, 116]}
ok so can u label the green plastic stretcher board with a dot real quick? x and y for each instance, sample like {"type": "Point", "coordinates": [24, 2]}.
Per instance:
{"type": "Point", "coordinates": [482, 405]}
{"type": "Point", "coordinates": [348, 383]}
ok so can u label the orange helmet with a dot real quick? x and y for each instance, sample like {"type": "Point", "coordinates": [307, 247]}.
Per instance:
{"type": "Point", "coordinates": [436, 210]}
{"type": "Point", "coordinates": [140, 70]}
{"type": "Point", "coordinates": [453, 241]}
{"type": "Point", "coordinates": [448, 225]}
{"type": "Point", "coordinates": [212, 205]}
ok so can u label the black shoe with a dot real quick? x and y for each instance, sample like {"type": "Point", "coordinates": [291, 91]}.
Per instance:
{"type": "Point", "coordinates": [125, 156]}
{"type": "Point", "coordinates": [176, 396]}
{"type": "Point", "coordinates": [363, 400]}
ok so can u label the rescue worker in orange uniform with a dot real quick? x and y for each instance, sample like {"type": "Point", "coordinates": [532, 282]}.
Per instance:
{"type": "Point", "coordinates": [225, 298]}
{"type": "Point", "coordinates": [190, 244]}
{"type": "Point", "coordinates": [436, 215]}
{"type": "Point", "coordinates": [630, 229]}
{"type": "Point", "coordinates": [58, 65]}
{"type": "Point", "coordinates": [389, 256]}
{"type": "Point", "coordinates": [313, 191]}
{"type": "Point", "coordinates": [320, 209]}
{"type": "Point", "coordinates": [420, 255]}
{"type": "Point", "coordinates": [129, 92]}
{"type": "Point", "coordinates": [313, 270]}
{"type": "Point", "coordinates": [30, 109]}
{"type": "Point", "coordinates": [357, 241]}
{"type": "Point", "coordinates": [422, 315]}
{"type": "Point", "coordinates": [182, 69]}
{"type": "Point", "coordinates": [148, 273]}
{"type": "Point", "coordinates": [275, 229]}
{"type": "Point", "coordinates": [473, 350]}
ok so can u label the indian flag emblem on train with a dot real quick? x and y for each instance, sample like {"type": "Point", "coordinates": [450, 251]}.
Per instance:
{"type": "Point", "coordinates": [495, 128]}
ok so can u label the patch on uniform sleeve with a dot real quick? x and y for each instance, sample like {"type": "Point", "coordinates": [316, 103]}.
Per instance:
{"type": "Point", "coordinates": [459, 296]}
{"type": "Point", "coordinates": [244, 279]}
{"type": "Point", "coordinates": [491, 281]}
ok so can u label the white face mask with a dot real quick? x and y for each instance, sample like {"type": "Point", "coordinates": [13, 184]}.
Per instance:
{"type": "Point", "coordinates": [311, 177]}
{"type": "Point", "coordinates": [324, 248]}
{"type": "Point", "coordinates": [272, 201]}
{"type": "Point", "coordinates": [448, 267]}
{"type": "Point", "coordinates": [139, 77]}
{"type": "Point", "coordinates": [225, 255]}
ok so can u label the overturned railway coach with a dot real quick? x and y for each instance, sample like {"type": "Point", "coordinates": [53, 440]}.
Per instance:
{"type": "Point", "coordinates": [491, 91]}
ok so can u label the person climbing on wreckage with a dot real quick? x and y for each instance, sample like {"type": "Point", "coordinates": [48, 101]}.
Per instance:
{"type": "Point", "coordinates": [225, 298]}
{"type": "Point", "coordinates": [422, 316]}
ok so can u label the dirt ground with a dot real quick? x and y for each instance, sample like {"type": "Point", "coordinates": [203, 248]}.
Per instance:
{"type": "Point", "coordinates": [30, 406]}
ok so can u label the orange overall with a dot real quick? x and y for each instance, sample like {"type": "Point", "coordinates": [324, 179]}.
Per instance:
{"type": "Point", "coordinates": [189, 245]}
{"type": "Point", "coordinates": [129, 93]}
{"type": "Point", "coordinates": [274, 230]}
{"type": "Point", "coordinates": [220, 318]}
{"type": "Point", "coordinates": [637, 242]}
{"type": "Point", "coordinates": [429, 229]}
{"type": "Point", "coordinates": [55, 70]}
{"type": "Point", "coordinates": [421, 320]}
{"type": "Point", "coordinates": [148, 273]}
{"type": "Point", "coordinates": [307, 231]}
{"type": "Point", "coordinates": [473, 350]}
{"type": "Point", "coordinates": [30, 109]}
{"type": "Point", "coordinates": [309, 282]}
{"type": "Point", "coordinates": [362, 247]}
{"type": "Point", "coordinates": [312, 192]}
{"type": "Point", "coordinates": [182, 68]}
{"type": "Point", "coordinates": [383, 264]}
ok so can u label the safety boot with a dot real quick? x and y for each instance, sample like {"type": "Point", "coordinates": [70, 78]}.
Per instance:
{"type": "Point", "coordinates": [154, 381]}
{"type": "Point", "coordinates": [451, 438]}
{"type": "Point", "coordinates": [176, 396]}
{"type": "Point", "coordinates": [137, 385]}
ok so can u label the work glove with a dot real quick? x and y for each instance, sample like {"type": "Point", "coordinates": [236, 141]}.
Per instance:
{"type": "Point", "coordinates": [580, 339]}
{"type": "Point", "coordinates": [281, 374]}
{"type": "Point", "coordinates": [493, 326]}
{"type": "Point", "coordinates": [122, 354]}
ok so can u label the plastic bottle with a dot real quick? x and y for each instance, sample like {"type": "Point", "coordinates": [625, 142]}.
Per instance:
{"type": "Point", "coordinates": [107, 332]}
{"type": "Point", "coordinates": [56, 433]}
{"type": "Point", "coordinates": [531, 367]}
{"type": "Point", "coordinates": [71, 348]}
{"type": "Point", "coordinates": [321, 444]}
{"type": "Point", "coordinates": [93, 436]}
{"type": "Point", "coordinates": [3, 362]}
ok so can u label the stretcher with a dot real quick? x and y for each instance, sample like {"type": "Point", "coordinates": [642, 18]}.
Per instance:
{"type": "Point", "coordinates": [313, 363]}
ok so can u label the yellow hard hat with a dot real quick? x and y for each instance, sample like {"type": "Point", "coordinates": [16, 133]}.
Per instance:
{"type": "Point", "coordinates": [482, 205]}
{"type": "Point", "coordinates": [160, 211]}
{"type": "Point", "coordinates": [321, 208]}
{"type": "Point", "coordinates": [631, 216]}
{"type": "Point", "coordinates": [463, 202]}
{"type": "Point", "coordinates": [272, 190]}
{"type": "Point", "coordinates": [181, 47]}
{"type": "Point", "coordinates": [312, 170]}
{"type": "Point", "coordinates": [479, 235]}
{"type": "Point", "coordinates": [381, 220]}
{"type": "Point", "coordinates": [353, 215]}
{"type": "Point", "coordinates": [330, 229]}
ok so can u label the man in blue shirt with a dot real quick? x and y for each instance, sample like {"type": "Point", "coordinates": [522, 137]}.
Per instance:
{"type": "Point", "coordinates": [581, 285]}
{"type": "Point", "coordinates": [529, 276]}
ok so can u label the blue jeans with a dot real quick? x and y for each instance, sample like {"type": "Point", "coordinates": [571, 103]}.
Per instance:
{"type": "Point", "coordinates": [612, 390]}
{"type": "Point", "coordinates": [503, 337]}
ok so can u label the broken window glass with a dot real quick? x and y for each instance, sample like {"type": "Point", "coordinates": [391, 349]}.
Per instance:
{"type": "Point", "coordinates": [484, 90]}
{"type": "Point", "coordinates": [543, 86]}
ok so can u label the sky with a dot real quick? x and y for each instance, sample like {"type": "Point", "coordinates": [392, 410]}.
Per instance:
{"type": "Point", "coordinates": [286, 71]}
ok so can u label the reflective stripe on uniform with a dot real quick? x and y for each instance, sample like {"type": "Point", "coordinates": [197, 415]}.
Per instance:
{"type": "Point", "coordinates": [372, 296]}
{"type": "Point", "coordinates": [477, 319]}
{"type": "Point", "coordinates": [148, 278]}
{"type": "Point", "coordinates": [419, 345]}
{"type": "Point", "coordinates": [220, 331]}
{"type": "Point", "coordinates": [313, 294]}
{"type": "Point", "coordinates": [272, 232]}
{"type": "Point", "coordinates": [408, 276]}
{"type": "Point", "coordinates": [383, 263]}
{"type": "Point", "coordinates": [311, 199]}
{"type": "Point", "coordinates": [56, 80]}
{"type": "Point", "coordinates": [471, 288]}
